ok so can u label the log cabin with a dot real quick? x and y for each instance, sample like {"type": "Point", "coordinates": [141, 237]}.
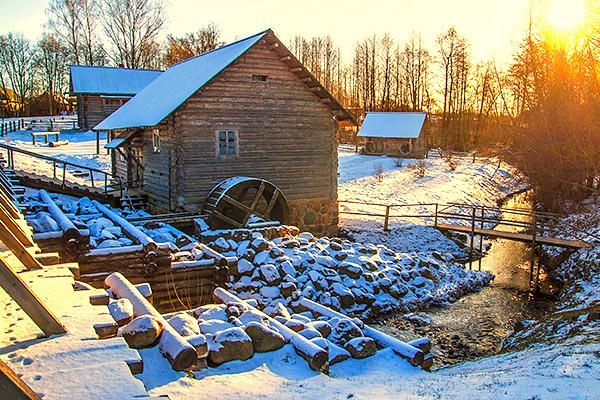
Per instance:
{"type": "Point", "coordinates": [399, 134]}
{"type": "Point", "coordinates": [247, 109]}
{"type": "Point", "coordinates": [100, 91]}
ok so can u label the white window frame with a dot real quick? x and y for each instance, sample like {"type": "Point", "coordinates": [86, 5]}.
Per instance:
{"type": "Point", "coordinates": [156, 140]}
{"type": "Point", "coordinates": [228, 132]}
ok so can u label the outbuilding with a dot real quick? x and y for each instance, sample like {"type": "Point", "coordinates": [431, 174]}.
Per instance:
{"type": "Point", "coordinates": [398, 134]}
{"type": "Point", "coordinates": [100, 91]}
{"type": "Point", "coordinates": [247, 116]}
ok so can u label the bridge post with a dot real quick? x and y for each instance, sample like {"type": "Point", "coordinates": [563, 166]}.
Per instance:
{"type": "Point", "coordinates": [435, 220]}
{"type": "Point", "coordinates": [472, 238]}
{"type": "Point", "coordinates": [386, 221]}
{"type": "Point", "coordinates": [532, 264]}
{"type": "Point", "coordinates": [481, 238]}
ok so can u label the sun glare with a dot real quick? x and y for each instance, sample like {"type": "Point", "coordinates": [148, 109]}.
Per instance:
{"type": "Point", "coordinates": [565, 15]}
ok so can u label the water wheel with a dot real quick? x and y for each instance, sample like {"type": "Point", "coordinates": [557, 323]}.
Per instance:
{"type": "Point", "coordinates": [239, 201]}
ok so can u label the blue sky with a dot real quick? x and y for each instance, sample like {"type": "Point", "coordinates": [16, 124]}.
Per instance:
{"type": "Point", "coordinates": [492, 26]}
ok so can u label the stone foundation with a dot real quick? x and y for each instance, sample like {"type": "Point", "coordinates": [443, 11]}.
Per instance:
{"type": "Point", "coordinates": [318, 216]}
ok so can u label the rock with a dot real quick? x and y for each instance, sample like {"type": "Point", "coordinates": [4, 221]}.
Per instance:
{"type": "Point", "coordinates": [184, 324]}
{"type": "Point", "coordinates": [295, 325]}
{"type": "Point", "coordinates": [270, 292]}
{"type": "Point", "coordinates": [287, 288]}
{"type": "Point", "coordinates": [213, 326]}
{"type": "Point", "coordinates": [343, 330]}
{"type": "Point", "coordinates": [287, 268]}
{"type": "Point", "coordinates": [321, 342]}
{"type": "Point", "coordinates": [253, 316]}
{"type": "Point", "coordinates": [121, 310]}
{"type": "Point", "coordinates": [142, 332]}
{"type": "Point", "coordinates": [228, 345]}
{"type": "Point", "coordinates": [302, 318]}
{"type": "Point", "coordinates": [212, 312]}
{"type": "Point", "coordinates": [259, 244]}
{"type": "Point", "coordinates": [270, 274]}
{"type": "Point", "coordinates": [245, 267]}
{"type": "Point", "coordinates": [361, 347]}
{"type": "Point", "coordinates": [322, 326]}
{"type": "Point", "coordinates": [353, 270]}
{"type": "Point", "coordinates": [307, 236]}
{"type": "Point", "coordinates": [264, 338]}
{"type": "Point", "coordinates": [108, 244]}
{"type": "Point", "coordinates": [343, 294]}
{"type": "Point", "coordinates": [310, 333]}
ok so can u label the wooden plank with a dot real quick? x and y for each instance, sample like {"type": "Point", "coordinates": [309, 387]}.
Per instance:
{"type": "Point", "coordinates": [8, 238]}
{"type": "Point", "coordinates": [520, 237]}
{"type": "Point", "coordinates": [13, 387]}
{"type": "Point", "coordinates": [28, 301]}
{"type": "Point", "coordinates": [15, 227]}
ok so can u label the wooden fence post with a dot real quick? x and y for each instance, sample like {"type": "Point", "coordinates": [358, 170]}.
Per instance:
{"type": "Point", "coordinates": [21, 293]}
{"type": "Point", "coordinates": [533, 234]}
{"type": "Point", "coordinates": [386, 221]}
{"type": "Point", "coordinates": [435, 220]}
{"type": "Point", "coordinates": [481, 238]}
{"type": "Point", "coordinates": [472, 239]}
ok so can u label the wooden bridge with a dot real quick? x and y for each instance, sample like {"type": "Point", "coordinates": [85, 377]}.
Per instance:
{"type": "Point", "coordinates": [528, 226]}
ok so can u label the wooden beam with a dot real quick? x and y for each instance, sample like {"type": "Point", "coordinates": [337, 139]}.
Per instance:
{"type": "Point", "coordinates": [273, 46]}
{"type": "Point", "coordinates": [315, 88]}
{"type": "Point", "coordinates": [13, 387]}
{"type": "Point", "coordinates": [326, 100]}
{"type": "Point", "coordinates": [286, 58]}
{"type": "Point", "coordinates": [8, 238]}
{"type": "Point", "coordinates": [271, 204]}
{"type": "Point", "coordinates": [296, 69]}
{"type": "Point", "coordinates": [15, 227]}
{"type": "Point", "coordinates": [28, 301]}
{"type": "Point", "coordinates": [306, 80]}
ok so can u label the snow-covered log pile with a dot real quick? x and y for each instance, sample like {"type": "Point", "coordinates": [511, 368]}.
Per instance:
{"type": "Point", "coordinates": [360, 280]}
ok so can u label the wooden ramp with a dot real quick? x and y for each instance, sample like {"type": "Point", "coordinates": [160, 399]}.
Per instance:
{"type": "Point", "coordinates": [520, 237]}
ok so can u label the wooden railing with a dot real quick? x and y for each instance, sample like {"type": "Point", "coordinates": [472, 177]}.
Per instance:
{"type": "Point", "coordinates": [111, 183]}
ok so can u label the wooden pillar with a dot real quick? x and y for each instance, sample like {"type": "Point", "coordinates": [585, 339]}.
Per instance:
{"type": "Point", "coordinates": [13, 387]}
{"type": "Point", "coordinates": [472, 239]}
{"type": "Point", "coordinates": [28, 301]}
{"type": "Point", "coordinates": [97, 142]}
{"type": "Point", "coordinates": [9, 239]}
{"type": "Point", "coordinates": [481, 238]}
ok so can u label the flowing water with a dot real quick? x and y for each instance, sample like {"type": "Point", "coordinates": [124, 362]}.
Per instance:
{"type": "Point", "coordinates": [477, 324]}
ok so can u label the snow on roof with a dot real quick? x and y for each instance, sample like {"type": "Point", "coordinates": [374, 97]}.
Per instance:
{"type": "Point", "coordinates": [110, 80]}
{"type": "Point", "coordinates": [174, 86]}
{"type": "Point", "coordinates": [400, 125]}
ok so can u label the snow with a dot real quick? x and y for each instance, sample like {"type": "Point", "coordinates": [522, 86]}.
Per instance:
{"type": "Point", "coordinates": [174, 86]}
{"type": "Point", "coordinates": [110, 80]}
{"type": "Point", "coordinates": [397, 125]}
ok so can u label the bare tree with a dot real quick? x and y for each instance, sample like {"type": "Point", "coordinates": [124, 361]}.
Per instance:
{"type": "Point", "coordinates": [52, 63]}
{"type": "Point", "coordinates": [192, 44]}
{"type": "Point", "coordinates": [17, 67]}
{"type": "Point", "coordinates": [64, 20]}
{"type": "Point", "coordinates": [132, 28]}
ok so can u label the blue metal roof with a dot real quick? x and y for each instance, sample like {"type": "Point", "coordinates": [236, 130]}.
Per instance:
{"type": "Point", "coordinates": [110, 80]}
{"type": "Point", "coordinates": [398, 125]}
{"type": "Point", "coordinates": [174, 86]}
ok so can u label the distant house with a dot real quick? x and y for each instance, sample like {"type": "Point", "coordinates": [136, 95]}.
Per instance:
{"type": "Point", "coordinates": [249, 109]}
{"type": "Point", "coordinates": [101, 91]}
{"type": "Point", "coordinates": [394, 133]}
{"type": "Point", "coordinates": [9, 101]}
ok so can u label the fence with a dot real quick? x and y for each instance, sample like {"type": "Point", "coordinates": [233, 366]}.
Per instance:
{"type": "Point", "coordinates": [50, 124]}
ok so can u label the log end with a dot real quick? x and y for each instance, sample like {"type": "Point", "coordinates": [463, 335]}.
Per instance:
{"type": "Point", "coordinates": [185, 360]}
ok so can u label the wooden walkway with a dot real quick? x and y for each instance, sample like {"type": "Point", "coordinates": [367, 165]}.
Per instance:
{"type": "Point", "coordinates": [520, 237]}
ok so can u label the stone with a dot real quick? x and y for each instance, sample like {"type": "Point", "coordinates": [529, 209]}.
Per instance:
{"type": "Point", "coordinates": [184, 324]}
{"type": "Point", "coordinates": [310, 217]}
{"type": "Point", "coordinates": [121, 310]}
{"type": "Point", "coordinates": [343, 330]}
{"type": "Point", "coordinates": [142, 332]}
{"type": "Point", "coordinates": [264, 338]}
{"type": "Point", "coordinates": [337, 354]}
{"type": "Point", "coordinates": [287, 288]}
{"type": "Point", "coordinates": [322, 326]}
{"type": "Point", "coordinates": [245, 267]}
{"type": "Point", "coordinates": [200, 343]}
{"type": "Point", "coordinates": [295, 325]}
{"type": "Point", "coordinates": [350, 269]}
{"type": "Point", "coordinates": [361, 347]}
{"type": "Point", "coordinates": [212, 312]}
{"type": "Point", "coordinates": [270, 274]}
{"type": "Point", "coordinates": [212, 326]}
{"type": "Point", "coordinates": [229, 345]}
{"type": "Point", "coordinates": [310, 333]}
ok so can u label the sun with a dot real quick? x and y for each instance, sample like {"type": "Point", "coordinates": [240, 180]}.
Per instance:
{"type": "Point", "coordinates": [565, 15]}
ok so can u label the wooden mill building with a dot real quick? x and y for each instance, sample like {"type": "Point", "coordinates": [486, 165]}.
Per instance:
{"type": "Point", "coordinates": [100, 91]}
{"type": "Point", "coordinates": [399, 134]}
{"type": "Point", "coordinates": [250, 109]}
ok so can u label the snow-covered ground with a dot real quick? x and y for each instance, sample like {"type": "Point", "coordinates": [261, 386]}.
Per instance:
{"type": "Point", "coordinates": [80, 150]}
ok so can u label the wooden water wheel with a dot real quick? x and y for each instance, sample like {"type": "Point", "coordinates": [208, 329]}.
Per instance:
{"type": "Point", "coordinates": [239, 201]}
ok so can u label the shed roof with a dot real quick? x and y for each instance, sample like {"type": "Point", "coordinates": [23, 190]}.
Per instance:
{"type": "Point", "coordinates": [178, 83]}
{"type": "Point", "coordinates": [398, 125]}
{"type": "Point", "coordinates": [110, 80]}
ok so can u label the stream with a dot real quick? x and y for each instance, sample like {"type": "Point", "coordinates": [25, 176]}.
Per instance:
{"type": "Point", "coordinates": [477, 324]}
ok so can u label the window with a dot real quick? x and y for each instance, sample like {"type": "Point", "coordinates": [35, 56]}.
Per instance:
{"type": "Point", "coordinates": [260, 78]}
{"type": "Point", "coordinates": [156, 140]}
{"type": "Point", "coordinates": [227, 143]}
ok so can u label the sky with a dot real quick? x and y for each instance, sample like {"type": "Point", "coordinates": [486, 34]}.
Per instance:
{"type": "Point", "coordinates": [493, 27]}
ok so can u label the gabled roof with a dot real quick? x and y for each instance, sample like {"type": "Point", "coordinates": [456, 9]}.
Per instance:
{"type": "Point", "coordinates": [398, 125]}
{"type": "Point", "coordinates": [178, 83]}
{"type": "Point", "coordinates": [110, 80]}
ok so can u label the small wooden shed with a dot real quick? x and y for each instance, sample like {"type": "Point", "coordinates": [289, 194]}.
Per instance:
{"type": "Point", "coordinates": [399, 134]}
{"type": "Point", "coordinates": [100, 91]}
{"type": "Point", "coordinates": [249, 109]}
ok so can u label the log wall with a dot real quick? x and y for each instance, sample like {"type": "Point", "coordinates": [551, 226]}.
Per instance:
{"type": "Point", "coordinates": [91, 109]}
